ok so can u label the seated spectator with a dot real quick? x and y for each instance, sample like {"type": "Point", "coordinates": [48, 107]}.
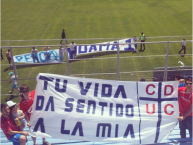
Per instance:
{"type": "Point", "coordinates": [17, 115]}
{"type": "Point", "coordinates": [178, 77]}
{"type": "Point", "coordinates": [9, 127]}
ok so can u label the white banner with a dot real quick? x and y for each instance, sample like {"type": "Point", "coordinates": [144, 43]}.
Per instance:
{"type": "Point", "coordinates": [102, 110]}
{"type": "Point", "coordinates": [52, 56]}
{"type": "Point", "coordinates": [104, 47]}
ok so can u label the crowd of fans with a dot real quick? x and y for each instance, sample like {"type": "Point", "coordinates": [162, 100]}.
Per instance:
{"type": "Point", "coordinates": [13, 119]}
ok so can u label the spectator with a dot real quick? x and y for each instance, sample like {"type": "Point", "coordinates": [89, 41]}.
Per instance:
{"type": "Point", "coordinates": [63, 37]}
{"type": "Point", "coordinates": [142, 80]}
{"type": "Point", "coordinates": [17, 115]}
{"type": "Point", "coordinates": [185, 108]}
{"type": "Point", "coordinates": [14, 82]}
{"type": "Point", "coordinates": [72, 50]}
{"type": "Point", "coordinates": [183, 46]}
{"type": "Point", "coordinates": [1, 54]}
{"type": "Point", "coordinates": [34, 54]}
{"type": "Point", "coordinates": [25, 104]}
{"type": "Point", "coordinates": [178, 77]}
{"type": "Point", "coordinates": [61, 54]}
{"type": "Point", "coordinates": [8, 55]}
{"type": "Point", "coordinates": [9, 127]}
{"type": "Point", "coordinates": [142, 39]}
{"type": "Point", "coordinates": [135, 41]}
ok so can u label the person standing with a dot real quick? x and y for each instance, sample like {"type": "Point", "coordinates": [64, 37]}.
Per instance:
{"type": "Point", "coordinates": [63, 37]}
{"type": "Point", "coordinates": [142, 39]}
{"type": "Point", "coordinates": [178, 77]}
{"type": "Point", "coordinates": [1, 54]}
{"type": "Point", "coordinates": [135, 41]}
{"type": "Point", "coordinates": [72, 50]}
{"type": "Point", "coordinates": [25, 105]}
{"type": "Point", "coordinates": [34, 54]}
{"type": "Point", "coordinates": [47, 54]}
{"type": "Point", "coordinates": [8, 55]}
{"type": "Point", "coordinates": [183, 46]}
{"type": "Point", "coordinates": [185, 108]}
{"type": "Point", "coordinates": [14, 82]}
{"type": "Point", "coordinates": [61, 54]}
{"type": "Point", "coordinates": [9, 127]}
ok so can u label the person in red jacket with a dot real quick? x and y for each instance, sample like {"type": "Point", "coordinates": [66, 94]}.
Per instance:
{"type": "Point", "coordinates": [25, 105]}
{"type": "Point", "coordinates": [9, 127]}
{"type": "Point", "coordinates": [185, 108]}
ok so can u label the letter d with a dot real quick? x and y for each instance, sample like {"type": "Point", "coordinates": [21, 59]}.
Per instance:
{"type": "Point", "coordinates": [40, 103]}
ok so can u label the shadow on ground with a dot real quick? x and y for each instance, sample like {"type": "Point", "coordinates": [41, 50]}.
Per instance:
{"type": "Point", "coordinates": [11, 97]}
{"type": "Point", "coordinates": [33, 65]}
{"type": "Point", "coordinates": [92, 55]}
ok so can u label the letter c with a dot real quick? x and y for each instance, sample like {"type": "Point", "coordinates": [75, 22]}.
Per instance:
{"type": "Point", "coordinates": [165, 109]}
{"type": "Point", "coordinates": [152, 85]}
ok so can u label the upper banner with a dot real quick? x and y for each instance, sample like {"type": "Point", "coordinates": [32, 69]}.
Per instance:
{"type": "Point", "coordinates": [103, 47]}
{"type": "Point", "coordinates": [56, 56]}
{"type": "Point", "coordinates": [100, 110]}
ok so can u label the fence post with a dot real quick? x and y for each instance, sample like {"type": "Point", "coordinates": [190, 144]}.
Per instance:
{"type": "Point", "coordinates": [166, 62]}
{"type": "Point", "coordinates": [118, 66]}
{"type": "Point", "coordinates": [14, 68]}
{"type": "Point", "coordinates": [67, 60]}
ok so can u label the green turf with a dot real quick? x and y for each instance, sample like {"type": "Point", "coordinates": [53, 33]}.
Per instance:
{"type": "Point", "coordinates": [82, 19]}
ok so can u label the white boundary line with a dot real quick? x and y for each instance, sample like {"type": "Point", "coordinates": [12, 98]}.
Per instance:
{"type": "Point", "coordinates": [94, 38]}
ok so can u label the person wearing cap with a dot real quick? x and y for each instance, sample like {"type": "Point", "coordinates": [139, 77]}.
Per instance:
{"type": "Point", "coordinates": [63, 36]}
{"type": "Point", "coordinates": [183, 46]}
{"type": "Point", "coordinates": [17, 115]}
{"type": "Point", "coordinates": [142, 39]}
{"type": "Point", "coordinates": [14, 82]}
{"type": "Point", "coordinates": [8, 55]}
{"type": "Point", "coordinates": [9, 127]}
{"type": "Point", "coordinates": [25, 105]}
